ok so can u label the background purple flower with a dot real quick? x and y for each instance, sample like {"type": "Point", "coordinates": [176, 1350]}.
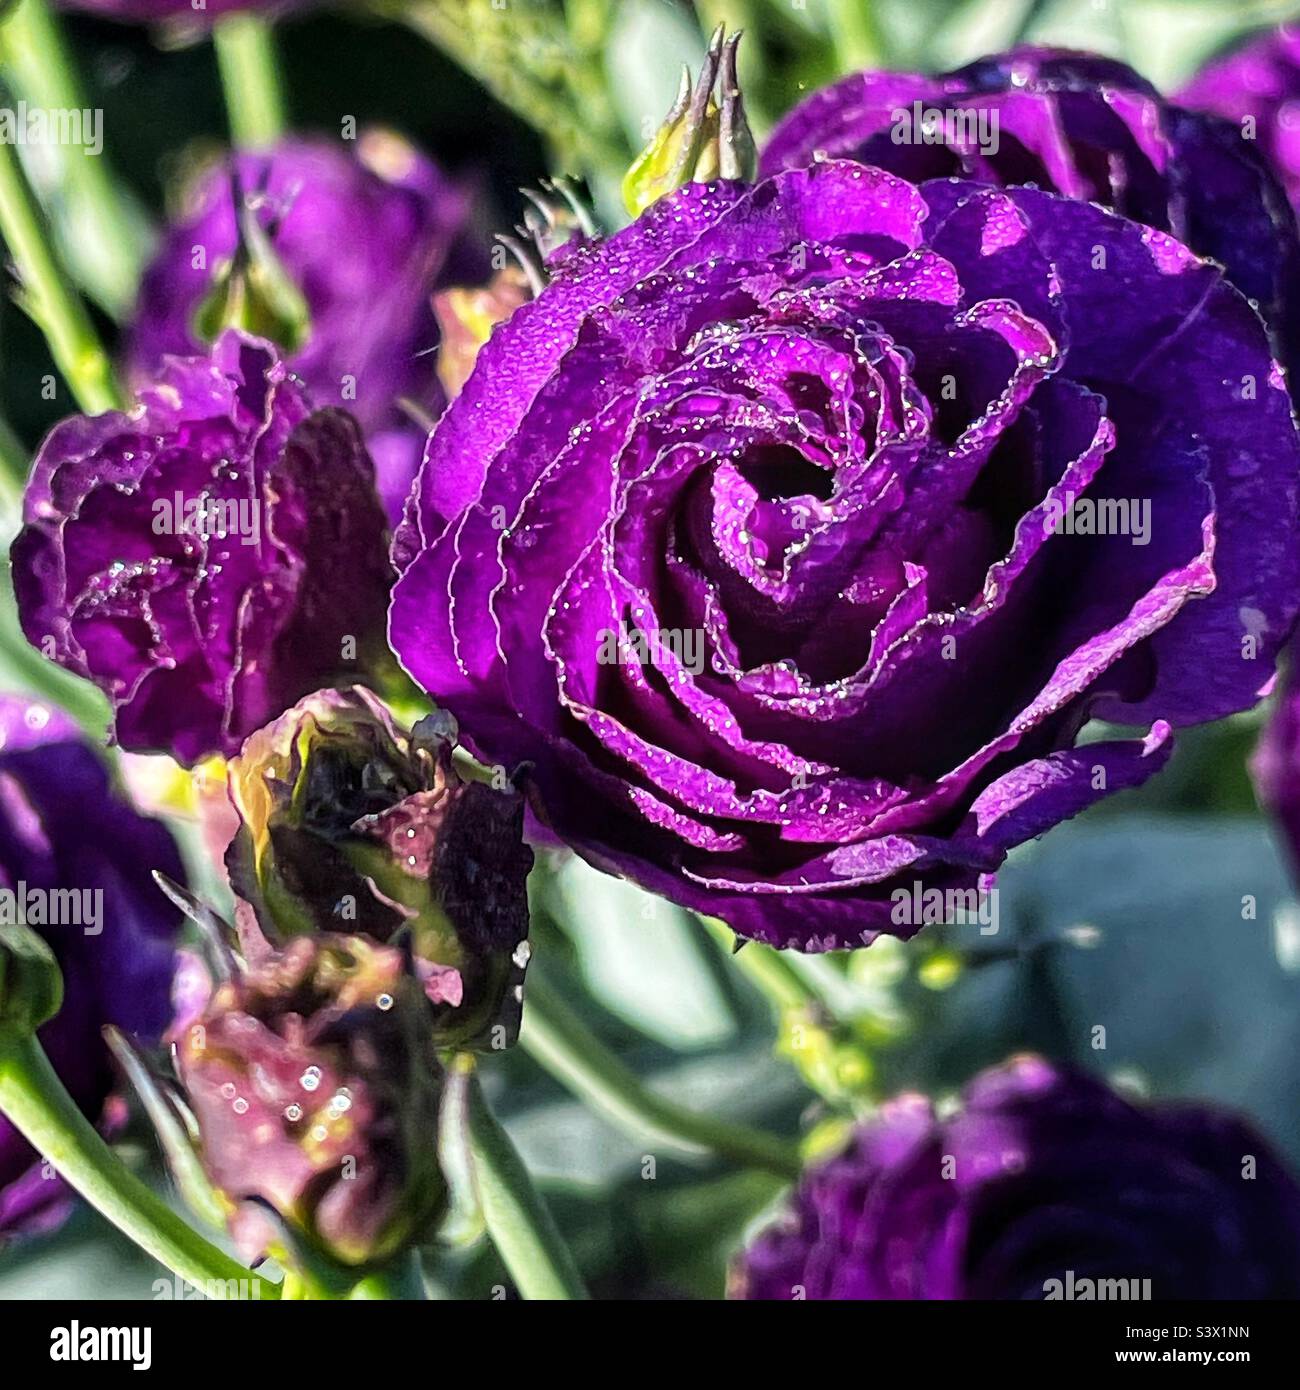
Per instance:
{"type": "Point", "coordinates": [826, 429]}
{"type": "Point", "coordinates": [1257, 88]}
{"type": "Point", "coordinates": [366, 230]}
{"type": "Point", "coordinates": [202, 630]}
{"type": "Point", "coordinates": [1042, 1175]}
{"type": "Point", "coordinates": [63, 827]}
{"type": "Point", "coordinates": [1082, 126]}
{"type": "Point", "coordinates": [182, 11]}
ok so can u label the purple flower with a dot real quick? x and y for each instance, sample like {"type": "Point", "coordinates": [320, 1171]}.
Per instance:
{"type": "Point", "coordinates": [207, 558]}
{"type": "Point", "coordinates": [188, 12]}
{"type": "Point", "coordinates": [1258, 89]}
{"type": "Point", "coordinates": [769, 535]}
{"type": "Point", "coordinates": [366, 232]}
{"type": "Point", "coordinates": [1079, 125]}
{"type": "Point", "coordinates": [74, 854]}
{"type": "Point", "coordinates": [1044, 1184]}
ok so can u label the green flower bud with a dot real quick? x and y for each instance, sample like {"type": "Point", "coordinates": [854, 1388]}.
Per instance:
{"type": "Point", "coordinates": [350, 823]}
{"type": "Point", "coordinates": [31, 984]}
{"type": "Point", "coordinates": [701, 139]}
{"type": "Point", "coordinates": [253, 291]}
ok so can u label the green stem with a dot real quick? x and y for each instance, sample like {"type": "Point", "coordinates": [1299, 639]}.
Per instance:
{"type": "Point", "coordinates": [505, 54]}
{"type": "Point", "coordinates": [104, 235]}
{"type": "Point", "coordinates": [812, 1004]}
{"type": "Point", "coordinates": [26, 669]}
{"type": "Point", "coordinates": [13, 479]}
{"type": "Point", "coordinates": [787, 979]}
{"type": "Point", "coordinates": [768, 971]}
{"type": "Point", "coordinates": [578, 1060]}
{"type": "Point", "coordinates": [48, 297]}
{"type": "Point", "coordinates": [36, 1102]}
{"type": "Point", "coordinates": [517, 1219]}
{"type": "Point", "coordinates": [855, 35]}
{"type": "Point", "coordinates": [402, 1281]}
{"type": "Point", "coordinates": [250, 79]}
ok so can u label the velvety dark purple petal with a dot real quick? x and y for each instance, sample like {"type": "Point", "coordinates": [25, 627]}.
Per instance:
{"type": "Point", "coordinates": [1042, 1179]}
{"type": "Point", "coordinates": [758, 554]}
{"type": "Point", "coordinates": [201, 633]}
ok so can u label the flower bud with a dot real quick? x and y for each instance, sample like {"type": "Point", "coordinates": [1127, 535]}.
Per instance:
{"type": "Point", "coordinates": [252, 290]}
{"type": "Point", "coordinates": [700, 139]}
{"type": "Point", "coordinates": [31, 985]}
{"type": "Point", "coordinates": [314, 1086]}
{"type": "Point", "coordinates": [348, 822]}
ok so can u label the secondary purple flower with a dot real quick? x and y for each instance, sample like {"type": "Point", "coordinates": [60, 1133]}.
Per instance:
{"type": "Point", "coordinates": [207, 558]}
{"type": "Point", "coordinates": [1257, 88]}
{"type": "Point", "coordinates": [1045, 1185]}
{"type": "Point", "coordinates": [1079, 125]}
{"type": "Point", "coordinates": [75, 863]}
{"type": "Point", "coordinates": [314, 1084]}
{"type": "Point", "coordinates": [365, 231]}
{"type": "Point", "coordinates": [187, 12]}
{"type": "Point", "coordinates": [793, 533]}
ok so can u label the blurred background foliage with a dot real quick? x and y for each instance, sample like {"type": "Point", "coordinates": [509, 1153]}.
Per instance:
{"type": "Point", "coordinates": [1165, 917]}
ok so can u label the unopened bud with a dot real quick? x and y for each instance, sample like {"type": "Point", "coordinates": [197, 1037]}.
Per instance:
{"type": "Point", "coordinates": [349, 822]}
{"type": "Point", "coordinates": [703, 138]}
{"type": "Point", "coordinates": [253, 291]}
{"type": "Point", "coordinates": [31, 984]}
{"type": "Point", "coordinates": [314, 1086]}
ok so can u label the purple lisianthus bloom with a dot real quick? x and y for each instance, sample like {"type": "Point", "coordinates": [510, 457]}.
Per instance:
{"type": "Point", "coordinates": [75, 854]}
{"type": "Point", "coordinates": [366, 231]}
{"type": "Point", "coordinates": [769, 535]}
{"type": "Point", "coordinates": [1079, 125]}
{"type": "Point", "coordinates": [208, 557]}
{"type": "Point", "coordinates": [190, 12]}
{"type": "Point", "coordinates": [1044, 1184]}
{"type": "Point", "coordinates": [1257, 88]}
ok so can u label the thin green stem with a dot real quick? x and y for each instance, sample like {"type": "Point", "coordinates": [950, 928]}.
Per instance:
{"type": "Point", "coordinates": [571, 1053]}
{"type": "Point", "coordinates": [1032, 13]}
{"type": "Point", "coordinates": [767, 970]}
{"type": "Point", "coordinates": [817, 1023]}
{"type": "Point", "coordinates": [530, 69]}
{"type": "Point", "coordinates": [48, 297]}
{"type": "Point", "coordinates": [27, 669]}
{"type": "Point", "coordinates": [855, 35]}
{"type": "Point", "coordinates": [104, 234]}
{"type": "Point", "coordinates": [13, 478]}
{"type": "Point", "coordinates": [250, 79]}
{"type": "Point", "coordinates": [402, 1281]}
{"type": "Point", "coordinates": [517, 1219]}
{"type": "Point", "coordinates": [588, 23]}
{"type": "Point", "coordinates": [39, 1106]}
